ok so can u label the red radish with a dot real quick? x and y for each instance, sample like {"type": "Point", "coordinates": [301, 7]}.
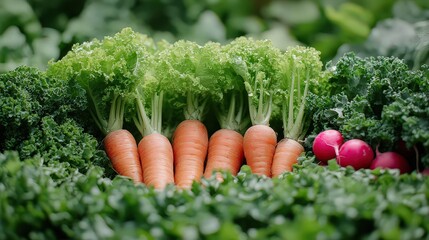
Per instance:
{"type": "Point", "coordinates": [355, 153]}
{"type": "Point", "coordinates": [409, 153]}
{"type": "Point", "coordinates": [326, 145]}
{"type": "Point", "coordinates": [406, 152]}
{"type": "Point", "coordinates": [322, 163]}
{"type": "Point", "coordinates": [390, 160]}
{"type": "Point", "coordinates": [425, 172]}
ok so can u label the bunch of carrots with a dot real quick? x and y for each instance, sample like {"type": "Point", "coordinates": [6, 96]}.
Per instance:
{"type": "Point", "coordinates": [128, 76]}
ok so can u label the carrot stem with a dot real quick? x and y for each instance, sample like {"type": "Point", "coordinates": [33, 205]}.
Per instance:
{"type": "Point", "coordinates": [195, 106]}
{"type": "Point", "coordinates": [235, 118]}
{"type": "Point", "coordinates": [260, 113]}
{"type": "Point", "coordinates": [147, 125]}
{"type": "Point", "coordinates": [116, 114]}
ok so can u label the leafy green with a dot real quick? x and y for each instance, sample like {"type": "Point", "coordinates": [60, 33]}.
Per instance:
{"type": "Point", "coordinates": [44, 201]}
{"type": "Point", "coordinates": [66, 142]}
{"type": "Point", "coordinates": [351, 18]}
{"type": "Point", "coordinates": [106, 69]}
{"type": "Point", "coordinates": [404, 35]}
{"type": "Point", "coordinates": [44, 116]}
{"type": "Point", "coordinates": [377, 99]}
{"type": "Point", "coordinates": [27, 96]}
{"type": "Point", "coordinates": [56, 184]}
{"type": "Point", "coordinates": [188, 78]}
{"type": "Point", "coordinates": [147, 111]}
{"type": "Point", "coordinates": [231, 108]}
{"type": "Point", "coordinates": [34, 31]}
{"type": "Point", "coordinates": [300, 75]}
{"type": "Point", "coordinates": [257, 62]}
{"type": "Point", "coordinates": [23, 40]}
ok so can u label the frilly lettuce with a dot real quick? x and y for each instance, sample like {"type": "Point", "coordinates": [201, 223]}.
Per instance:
{"type": "Point", "coordinates": [256, 61]}
{"type": "Point", "coordinates": [107, 70]}
{"type": "Point", "coordinates": [299, 76]}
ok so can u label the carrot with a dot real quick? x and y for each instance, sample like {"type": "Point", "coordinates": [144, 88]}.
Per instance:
{"type": "Point", "coordinates": [286, 155]}
{"type": "Point", "coordinates": [121, 148]}
{"type": "Point", "coordinates": [156, 157]}
{"type": "Point", "coordinates": [190, 143]}
{"type": "Point", "coordinates": [225, 152]}
{"type": "Point", "coordinates": [259, 145]}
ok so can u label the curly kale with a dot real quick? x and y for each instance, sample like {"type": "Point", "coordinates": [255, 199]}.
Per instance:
{"type": "Point", "coordinates": [43, 116]}
{"type": "Point", "coordinates": [65, 142]}
{"type": "Point", "coordinates": [377, 99]}
{"type": "Point", "coordinates": [27, 96]}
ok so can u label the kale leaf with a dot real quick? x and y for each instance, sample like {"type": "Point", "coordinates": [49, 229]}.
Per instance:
{"type": "Point", "coordinates": [66, 142]}
{"type": "Point", "coordinates": [27, 96]}
{"type": "Point", "coordinates": [45, 117]}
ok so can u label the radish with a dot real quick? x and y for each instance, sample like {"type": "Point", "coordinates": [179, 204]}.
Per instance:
{"type": "Point", "coordinates": [406, 152]}
{"type": "Point", "coordinates": [409, 153]}
{"type": "Point", "coordinates": [355, 153]}
{"type": "Point", "coordinates": [326, 145]}
{"type": "Point", "coordinates": [390, 160]}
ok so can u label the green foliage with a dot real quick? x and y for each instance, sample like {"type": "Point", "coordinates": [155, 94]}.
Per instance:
{"type": "Point", "coordinates": [257, 62]}
{"type": "Point", "coordinates": [231, 108]}
{"type": "Point", "coordinates": [300, 75]}
{"type": "Point", "coordinates": [27, 96]}
{"type": "Point", "coordinates": [326, 25]}
{"type": "Point", "coordinates": [152, 111]}
{"type": "Point", "coordinates": [66, 142]}
{"type": "Point", "coordinates": [377, 99]}
{"type": "Point", "coordinates": [106, 69]}
{"type": "Point", "coordinates": [403, 35]}
{"type": "Point", "coordinates": [191, 76]}
{"type": "Point", "coordinates": [57, 182]}
{"type": "Point", "coordinates": [39, 117]}
{"type": "Point", "coordinates": [45, 201]}
{"type": "Point", "coordinates": [23, 39]}
{"type": "Point", "coordinates": [34, 31]}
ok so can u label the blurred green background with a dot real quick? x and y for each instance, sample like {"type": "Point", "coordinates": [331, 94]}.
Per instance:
{"type": "Point", "coordinates": [32, 32]}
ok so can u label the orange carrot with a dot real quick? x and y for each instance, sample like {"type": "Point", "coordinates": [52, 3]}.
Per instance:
{"type": "Point", "coordinates": [286, 155]}
{"type": "Point", "coordinates": [190, 143]}
{"type": "Point", "coordinates": [156, 157]}
{"type": "Point", "coordinates": [225, 152]}
{"type": "Point", "coordinates": [259, 145]}
{"type": "Point", "coordinates": [121, 148]}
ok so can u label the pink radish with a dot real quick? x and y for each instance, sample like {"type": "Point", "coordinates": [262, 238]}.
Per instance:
{"type": "Point", "coordinates": [355, 153]}
{"type": "Point", "coordinates": [390, 160]}
{"type": "Point", "coordinates": [326, 145]}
